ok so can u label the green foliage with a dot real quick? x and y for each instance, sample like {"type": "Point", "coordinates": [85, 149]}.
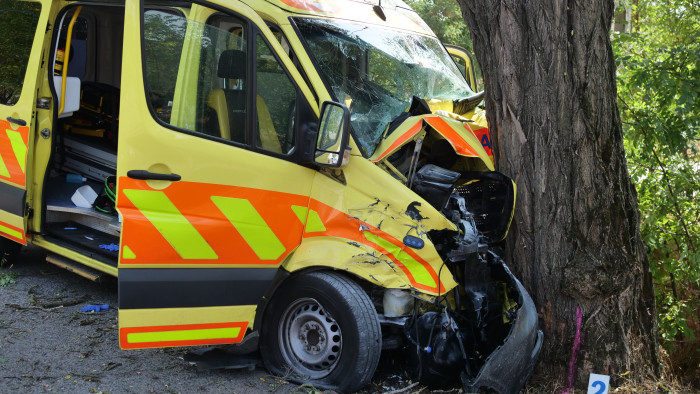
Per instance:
{"type": "Point", "coordinates": [445, 18]}
{"type": "Point", "coordinates": [7, 278]}
{"type": "Point", "coordinates": [658, 86]}
{"type": "Point", "coordinates": [18, 21]}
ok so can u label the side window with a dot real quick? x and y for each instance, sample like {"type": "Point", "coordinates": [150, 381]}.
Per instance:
{"type": "Point", "coordinates": [164, 33]}
{"type": "Point", "coordinates": [223, 78]}
{"type": "Point", "coordinates": [276, 103]}
{"type": "Point", "coordinates": [18, 22]}
{"type": "Point", "coordinates": [196, 72]}
{"type": "Point", "coordinates": [204, 78]}
{"type": "Point", "coordinates": [461, 64]}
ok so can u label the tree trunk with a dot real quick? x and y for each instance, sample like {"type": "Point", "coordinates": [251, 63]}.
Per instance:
{"type": "Point", "coordinates": [551, 101]}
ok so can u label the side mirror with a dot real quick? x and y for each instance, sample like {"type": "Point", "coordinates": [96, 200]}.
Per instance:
{"type": "Point", "coordinates": [332, 144]}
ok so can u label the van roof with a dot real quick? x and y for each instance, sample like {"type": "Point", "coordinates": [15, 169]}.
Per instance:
{"type": "Point", "coordinates": [391, 13]}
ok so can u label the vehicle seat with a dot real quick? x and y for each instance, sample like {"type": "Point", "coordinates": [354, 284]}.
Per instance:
{"type": "Point", "coordinates": [230, 104]}
{"type": "Point", "coordinates": [269, 140]}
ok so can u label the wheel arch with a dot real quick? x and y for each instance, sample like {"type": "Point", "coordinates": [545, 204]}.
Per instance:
{"type": "Point", "coordinates": [283, 275]}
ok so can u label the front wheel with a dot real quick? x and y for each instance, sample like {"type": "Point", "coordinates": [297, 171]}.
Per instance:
{"type": "Point", "coordinates": [321, 328]}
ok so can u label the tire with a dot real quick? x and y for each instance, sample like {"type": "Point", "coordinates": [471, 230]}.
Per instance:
{"type": "Point", "coordinates": [321, 328]}
{"type": "Point", "coordinates": [9, 250]}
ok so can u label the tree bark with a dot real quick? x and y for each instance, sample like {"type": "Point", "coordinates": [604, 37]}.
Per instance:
{"type": "Point", "coordinates": [551, 102]}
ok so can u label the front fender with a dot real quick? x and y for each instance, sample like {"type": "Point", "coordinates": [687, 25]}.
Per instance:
{"type": "Point", "coordinates": [393, 269]}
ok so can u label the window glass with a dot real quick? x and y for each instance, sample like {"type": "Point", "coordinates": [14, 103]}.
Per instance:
{"type": "Point", "coordinates": [376, 72]}
{"type": "Point", "coordinates": [276, 103]}
{"type": "Point", "coordinates": [223, 78]}
{"type": "Point", "coordinates": [18, 21]}
{"type": "Point", "coordinates": [198, 79]}
{"type": "Point", "coordinates": [196, 73]}
{"type": "Point", "coordinates": [462, 65]}
{"type": "Point", "coordinates": [164, 33]}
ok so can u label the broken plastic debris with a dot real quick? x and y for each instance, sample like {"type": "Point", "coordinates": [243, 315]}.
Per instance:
{"type": "Point", "coordinates": [94, 308]}
{"type": "Point", "coordinates": [111, 247]}
{"type": "Point", "coordinates": [216, 358]}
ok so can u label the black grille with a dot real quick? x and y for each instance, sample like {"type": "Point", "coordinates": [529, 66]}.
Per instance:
{"type": "Point", "coordinates": [489, 197]}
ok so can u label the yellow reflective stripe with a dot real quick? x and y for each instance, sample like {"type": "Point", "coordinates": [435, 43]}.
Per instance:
{"type": "Point", "coordinates": [3, 168]}
{"type": "Point", "coordinates": [171, 224]}
{"type": "Point", "coordinates": [183, 335]}
{"type": "Point", "coordinates": [18, 147]}
{"type": "Point", "coordinates": [127, 253]}
{"type": "Point", "coordinates": [300, 212]}
{"type": "Point", "coordinates": [419, 272]}
{"type": "Point", "coordinates": [252, 227]}
{"type": "Point", "coordinates": [313, 221]}
{"type": "Point", "coordinates": [10, 231]}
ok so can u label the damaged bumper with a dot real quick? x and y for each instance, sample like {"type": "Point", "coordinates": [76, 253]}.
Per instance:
{"type": "Point", "coordinates": [486, 335]}
{"type": "Point", "coordinates": [507, 369]}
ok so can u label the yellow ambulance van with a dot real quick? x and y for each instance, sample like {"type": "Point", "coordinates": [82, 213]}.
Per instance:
{"type": "Point", "coordinates": [301, 177]}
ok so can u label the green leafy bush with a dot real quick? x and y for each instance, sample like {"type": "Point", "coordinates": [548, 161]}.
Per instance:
{"type": "Point", "coordinates": [658, 85]}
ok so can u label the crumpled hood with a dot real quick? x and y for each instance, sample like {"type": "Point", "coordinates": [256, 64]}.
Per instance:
{"type": "Point", "coordinates": [458, 133]}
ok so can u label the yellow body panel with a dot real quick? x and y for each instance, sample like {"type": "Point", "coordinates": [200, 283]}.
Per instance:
{"type": "Point", "coordinates": [478, 117]}
{"type": "Point", "coordinates": [16, 159]}
{"type": "Point", "coordinates": [13, 220]}
{"type": "Point", "coordinates": [360, 260]}
{"type": "Point", "coordinates": [373, 198]}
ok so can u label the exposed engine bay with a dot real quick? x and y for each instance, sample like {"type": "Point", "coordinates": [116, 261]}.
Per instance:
{"type": "Point", "coordinates": [470, 332]}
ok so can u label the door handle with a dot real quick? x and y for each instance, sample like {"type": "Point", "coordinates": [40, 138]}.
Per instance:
{"type": "Point", "coordinates": [20, 122]}
{"type": "Point", "coordinates": [152, 176]}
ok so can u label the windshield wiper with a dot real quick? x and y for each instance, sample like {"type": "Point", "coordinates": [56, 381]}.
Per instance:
{"type": "Point", "coordinates": [462, 106]}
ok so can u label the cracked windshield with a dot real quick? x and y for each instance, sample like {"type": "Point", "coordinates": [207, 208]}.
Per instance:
{"type": "Point", "coordinates": [376, 72]}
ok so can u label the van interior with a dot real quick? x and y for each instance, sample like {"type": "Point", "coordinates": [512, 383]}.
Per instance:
{"type": "Point", "coordinates": [80, 182]}
{"type": "Point", "coordinates": [84, 158]}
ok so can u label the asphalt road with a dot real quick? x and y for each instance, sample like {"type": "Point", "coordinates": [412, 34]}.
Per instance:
{"type": "Point", "coordinates": [48, 345]}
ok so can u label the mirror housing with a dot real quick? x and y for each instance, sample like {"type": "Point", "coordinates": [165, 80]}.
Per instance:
{"type": "Point", "coordinates": [332, 148]}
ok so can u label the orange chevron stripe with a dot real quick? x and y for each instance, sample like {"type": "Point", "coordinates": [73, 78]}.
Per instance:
{"type": "Point", "coordinates": [403, 138]}
{"type": "Point", "coordinates": [339, 224]}
{"type": "Point", "coordinates": [8, 155]}
{"type": "Point", "coordinates": [461, 146]}
{"type": "Point", "coordinates": [193, 200]}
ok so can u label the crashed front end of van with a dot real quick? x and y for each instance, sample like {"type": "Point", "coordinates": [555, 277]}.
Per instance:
{"type": "Point", "coordinates": [441, 291]}
{"type": "Point", "coordinates": [458, 310]}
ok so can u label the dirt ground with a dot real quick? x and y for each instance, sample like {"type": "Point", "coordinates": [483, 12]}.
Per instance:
{"type": "Point", "coordinates": [48, 345]}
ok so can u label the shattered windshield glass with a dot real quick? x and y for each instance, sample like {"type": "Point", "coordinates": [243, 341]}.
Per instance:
{"type": "Point", "coordinates": [376, 72]}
